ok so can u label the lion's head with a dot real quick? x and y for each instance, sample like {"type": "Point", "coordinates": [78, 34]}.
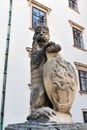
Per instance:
{"type": "Point", "coordinates": [41, 36]}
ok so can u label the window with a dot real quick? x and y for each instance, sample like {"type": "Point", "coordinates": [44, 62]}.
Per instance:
{"type": "Point", "coordinates": [82, 73]}
{"type": "Point", "coordinates": [39, 14]}
{"type": "Point", "coordinates": [85, 116]}
{"type": "Point", "coordinates": [73, 4]}
{"type": "Point", "coordinates": [77, 34]}
{"type": "Point", "coordinates": [83, 80]}
{"type": "Point", "coordinates": [78, 40]}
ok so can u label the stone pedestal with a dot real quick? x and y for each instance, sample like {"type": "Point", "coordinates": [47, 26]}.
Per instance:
{"type": "Point", "coordinates": [46, 126]}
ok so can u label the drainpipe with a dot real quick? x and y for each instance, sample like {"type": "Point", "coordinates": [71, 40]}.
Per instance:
{"type": "Point", "coordinates": [5, 68]}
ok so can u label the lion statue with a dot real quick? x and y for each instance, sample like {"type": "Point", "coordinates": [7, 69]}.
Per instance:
{"type": "Point", "coordinates": [53, 79]}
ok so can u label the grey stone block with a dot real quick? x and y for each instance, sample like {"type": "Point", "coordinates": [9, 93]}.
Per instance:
{"type": "Point", "coordinates": [32, 125]}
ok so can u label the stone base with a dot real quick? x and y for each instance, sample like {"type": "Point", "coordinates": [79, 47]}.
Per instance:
{"type": "Point", "coordinates": [46, 126]}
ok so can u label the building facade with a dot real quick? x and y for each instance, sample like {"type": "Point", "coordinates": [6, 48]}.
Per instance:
{"type": "Point", "coordinates": [67, 23]}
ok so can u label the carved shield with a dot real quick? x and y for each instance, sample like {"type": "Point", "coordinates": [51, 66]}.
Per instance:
{"type": "Point", "coordinates": [60, 83]}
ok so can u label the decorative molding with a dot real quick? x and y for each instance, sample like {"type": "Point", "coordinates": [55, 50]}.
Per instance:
{"type": "Point", "coordinates": [83, 92]}
{"type": "Point", "coordinates": [73, 24]}
{"type": "Point", "coordinates": [84, 109]}
{"type": "Point", "coordinates": [80, 66]}
{"type": "Point", "coordinates": [33, 2]}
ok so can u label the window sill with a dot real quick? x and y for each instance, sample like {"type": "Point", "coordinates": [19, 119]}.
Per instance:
{"type": "Point", "coordinates": [79, 48]}
{"type": "Point", "coordinates": [83, 92]}
{"type": "Point", "coordinates": [74, 10]}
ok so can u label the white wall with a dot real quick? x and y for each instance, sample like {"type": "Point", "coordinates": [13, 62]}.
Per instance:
{"type": "Point", "coordinates": [17, 92]}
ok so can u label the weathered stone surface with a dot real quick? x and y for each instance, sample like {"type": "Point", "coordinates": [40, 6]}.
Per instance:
{"type": "Point", "coordinates": [46, 126]}
{"type": "Point", "coordinates": [38, 95]}
{"type": "Point", "coordinates": [49, 115]}
{"type": "Point", "coordinates": [60, 82]}
{"type": "Point", "coordinates": [54, 84]}
{"type": "Point", "coordinates": [53, 79]}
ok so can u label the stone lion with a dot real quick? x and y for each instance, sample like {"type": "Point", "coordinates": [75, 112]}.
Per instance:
{"type": "Point", "coordinates": [53, 79]}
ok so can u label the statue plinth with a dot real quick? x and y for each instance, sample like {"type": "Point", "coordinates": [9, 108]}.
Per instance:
{"type": "Point", "coordinates": [34, 125]}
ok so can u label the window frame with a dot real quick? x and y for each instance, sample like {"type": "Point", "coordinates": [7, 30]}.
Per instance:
{"type": "Point", "coordinates": [80, 80]}
{"type": "Point", "coordinates": [79, 28]}
{"type": "Point", "coordinates": [37, 16]}
{"type": "Point", "coordinates": [81, 67]}
{"type": "Point", "coordinates": [85, 120]}
{"type": "Point", "coordinates": [39, 6]}
{"type": "Point", "coordinates": [73, 6]}
{"type": "Point", "coordinates": [78, 43]}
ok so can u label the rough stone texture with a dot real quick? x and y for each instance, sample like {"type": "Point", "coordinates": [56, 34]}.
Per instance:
{"type": "Point", "coordinates": [38, 94]}
{"type": "Point", "coordinates": [60, 82]}
{"type": "Point", "coordinates": [46, 126]}
{"type": "Point", "coordinates": [54, 84]}
{"type": "Point", "coordinates": [53, 79]}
